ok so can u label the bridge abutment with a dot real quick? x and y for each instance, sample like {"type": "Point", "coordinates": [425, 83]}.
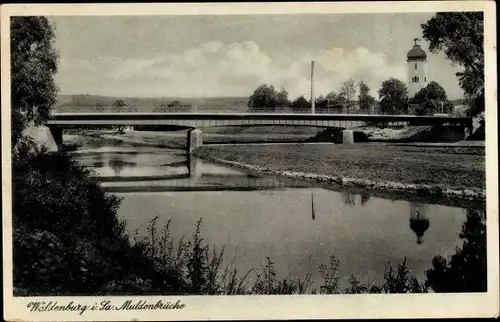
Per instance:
{"type": "Point", "coordinates": [57, 135]}
{"type": "Point", "coordinates": [194, 140]}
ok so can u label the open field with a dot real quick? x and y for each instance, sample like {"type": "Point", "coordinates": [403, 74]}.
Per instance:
{"type": "Point", "coordinates": [458, 168]}
{"type": "Point", "coordinates": [88, 103]}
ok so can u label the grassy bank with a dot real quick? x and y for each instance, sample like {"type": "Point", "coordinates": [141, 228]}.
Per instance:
{"type": "Point", "coordinates": [458, 171]}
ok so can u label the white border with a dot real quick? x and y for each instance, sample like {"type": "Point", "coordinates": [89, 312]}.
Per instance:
{"type": "Point", "coordinates": [270, 307]}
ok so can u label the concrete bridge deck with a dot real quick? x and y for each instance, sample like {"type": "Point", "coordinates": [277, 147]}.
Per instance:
{"type": "Point", "coordinates": [228, 119]}
{"type": "Point", "coordinates": [194, 121]}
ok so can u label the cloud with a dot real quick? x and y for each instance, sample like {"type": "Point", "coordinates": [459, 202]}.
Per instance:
{"type": "Point", "coordinates": [217, 69]}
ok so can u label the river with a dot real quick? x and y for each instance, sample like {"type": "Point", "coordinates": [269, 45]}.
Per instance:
{"type": "Point", "coordinates": [297, 225]}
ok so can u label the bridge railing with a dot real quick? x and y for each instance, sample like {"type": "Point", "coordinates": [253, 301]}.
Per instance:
{"type": "Point", "coordinates": [235, 109]}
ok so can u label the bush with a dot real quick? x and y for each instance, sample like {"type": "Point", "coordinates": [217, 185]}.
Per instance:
{"type": "Point", "coordinates": [67, 238]}
{"type": "Point", "coordinates": [466, 270]}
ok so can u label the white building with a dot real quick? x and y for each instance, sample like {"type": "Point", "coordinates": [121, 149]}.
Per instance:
{"type": "Point", "coordinates": [416, 60]}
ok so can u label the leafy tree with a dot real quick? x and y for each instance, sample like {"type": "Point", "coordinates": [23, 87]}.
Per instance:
{"type": "Point", "coordinates": [263, 96]}
{"type": "Point", "coordinates": [460, 35]}
{"type": "Point", "coordinates": [393, 96]}
{"type": "Point", "coordinates": [119, 106]}
{"type": "Point", "coordinates": [282, 98]}
{"type": "Point", "coordinates": [347, 93]}
{"type": "Point", "coordinates": [321, 102]}
{"type": "Point", "coordinates": [175, 103]}
{"type": "Point", "coordinates": [432, 99]}
{"type": "Point", "coordinates": [365, 100]}
{"type": "Point", "coordinates": [301, 102]}
{"type": "Point", "coordinates": [33, 65]}
{"type": "Point", "coordinates": [334, 99]}
{"type": "Point", "coordinates": [466, 270]}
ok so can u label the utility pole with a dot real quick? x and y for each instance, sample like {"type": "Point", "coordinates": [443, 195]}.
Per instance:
{"type": "Point", "coordinates": [313, 103]}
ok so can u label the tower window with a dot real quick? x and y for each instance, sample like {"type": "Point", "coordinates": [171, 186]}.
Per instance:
{"type": "Point", "coordinates": [417, 79]}
{"type": "Point", "coordinates": [415, 66]}
{"type": "Point", "coordinates": [425, 79]}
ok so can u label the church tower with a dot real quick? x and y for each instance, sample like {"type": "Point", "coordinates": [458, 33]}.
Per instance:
{"type": "Point", "coordinates": [416, 60]}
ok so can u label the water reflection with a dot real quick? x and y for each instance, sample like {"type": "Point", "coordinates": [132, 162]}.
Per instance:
{"type": "Point", "coordinates": [466, 269]}
{"type": "Point", "coordinates": [419, 222]}
{"type": "Point", "coordinates": [313, 211]}
{"type": "Point", "coordinates": [349, 198]}
{"type": "Point", "coordinates": [99, 161]}
{"type": "Point", "coordinates": [152, 169]}
{"type": "Point", "coordinates": [365, 196]}
{"type": "Point", "coordinates": [118, 164]}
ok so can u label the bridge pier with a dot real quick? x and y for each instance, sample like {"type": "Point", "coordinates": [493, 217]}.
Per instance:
{"type": "Point", "coordinates": [194, 139]}
{"type": "Point", "coordinates": [347, 137]}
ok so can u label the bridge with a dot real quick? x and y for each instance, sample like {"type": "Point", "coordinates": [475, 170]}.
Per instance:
{"type": "Point", "coordinates": [59, 121]}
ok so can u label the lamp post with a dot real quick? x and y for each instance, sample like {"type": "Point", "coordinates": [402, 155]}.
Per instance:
{"type": "Point", "coordinates": [313, 103]}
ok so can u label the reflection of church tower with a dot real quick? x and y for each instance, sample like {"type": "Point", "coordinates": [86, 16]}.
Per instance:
{"type": "Point", "coordinates": [417, 78]}
{"type": "Point", "coordinates": [419, 222]}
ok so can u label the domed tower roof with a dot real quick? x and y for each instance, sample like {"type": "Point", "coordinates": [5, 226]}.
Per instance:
{"type": "Point", "coordinates": [416, 53]}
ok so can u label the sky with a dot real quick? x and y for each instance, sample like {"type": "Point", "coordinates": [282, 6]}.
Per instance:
{"type": "Point", "coordinates": [230, 55]}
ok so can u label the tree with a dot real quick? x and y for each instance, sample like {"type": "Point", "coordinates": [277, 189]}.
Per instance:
{"type": "Point", "coordinates": [321, 102]}
{"type": "Point", "coordinates": [365, 100]}
{"type": "Point", "coordinates": [347, 93]}
{"type": "Point", "coordinates": [282, 98]}
{"type": "Point", "coordinates": [432, 99]}
{"type": "Point", "coordinates": [99, 107]}
{"type": "Point", "coordinates": [33, 65]}
{"type": "Point", "coordinates": [334, 99]}
{"type": "Point", "coordinates": [119, 106]}
{"type": "Point", "coordinates": [301, 102]}
{"type": "Point", "coordinates": [393, 96]}
{"type": "Point", "coordinates": [460, 36]}
{"type": "Point", "coordinates": [175, 103]}
{"type": "Point", "coordinates": [263, 96]}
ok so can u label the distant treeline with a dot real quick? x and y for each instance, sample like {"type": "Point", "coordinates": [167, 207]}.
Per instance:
{"type": "Point", "coordinates": [146, 104]}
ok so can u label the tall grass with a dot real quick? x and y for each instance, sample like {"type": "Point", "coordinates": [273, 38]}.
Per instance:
{"type": "Point", "coordinates": [202, 270]}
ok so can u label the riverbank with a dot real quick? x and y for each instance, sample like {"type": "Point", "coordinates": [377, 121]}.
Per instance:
{"type": "Point", "coordinates": [436, 171]}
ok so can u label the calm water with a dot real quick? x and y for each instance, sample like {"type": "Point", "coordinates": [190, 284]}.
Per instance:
{"type": "Point", "coordinates": [257, 217]}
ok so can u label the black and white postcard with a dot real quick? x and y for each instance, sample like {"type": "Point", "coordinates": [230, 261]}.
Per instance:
{"type": "Point", "coordinates": [249, 161]}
